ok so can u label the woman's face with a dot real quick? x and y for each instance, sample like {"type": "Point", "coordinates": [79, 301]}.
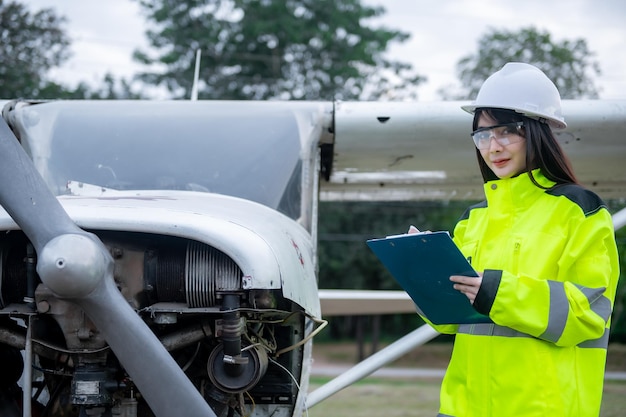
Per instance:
{"type": "Point", "coordinates": [505, 161]}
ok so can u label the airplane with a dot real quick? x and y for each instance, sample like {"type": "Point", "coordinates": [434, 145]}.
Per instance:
{"type": "Point", "coordinates": [158, 258]}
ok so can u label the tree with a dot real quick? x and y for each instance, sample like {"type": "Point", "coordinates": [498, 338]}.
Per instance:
{"type": "Point", "coordinates": [345, 262]}
{"type": "Point", "coordinates": [30, 45]}
{"type": "Point", "coordinates": [569, 64]}
{"type": "Point", "coordinates": [273, 49]}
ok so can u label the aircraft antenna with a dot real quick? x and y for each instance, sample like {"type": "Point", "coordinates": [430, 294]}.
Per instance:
{"type": "Point", "coordinates": [196, 75]}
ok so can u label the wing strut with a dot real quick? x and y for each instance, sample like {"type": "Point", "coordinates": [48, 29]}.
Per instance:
{"type": "Point", "coordinates": [392, 352]}
{"type": "Point", "coordinates": [619, 219]}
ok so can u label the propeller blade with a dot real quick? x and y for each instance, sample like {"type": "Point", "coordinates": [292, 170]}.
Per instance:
{"type": "Point", "coordinates": [75, 265]}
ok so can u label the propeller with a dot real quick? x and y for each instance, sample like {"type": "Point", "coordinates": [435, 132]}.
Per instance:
{"type": "Point", "coordinates": [76, 266]}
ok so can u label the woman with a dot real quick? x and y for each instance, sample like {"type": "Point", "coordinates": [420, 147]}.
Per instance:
{"type": "Point", "coordinates": [546, 249]}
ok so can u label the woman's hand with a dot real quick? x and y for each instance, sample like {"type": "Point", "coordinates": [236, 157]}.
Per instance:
{"type": "Point", "coordinates": [467, 285]}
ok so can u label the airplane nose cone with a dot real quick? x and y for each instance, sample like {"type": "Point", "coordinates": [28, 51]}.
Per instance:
{"type": "Point", "coordinates": [71, 265]}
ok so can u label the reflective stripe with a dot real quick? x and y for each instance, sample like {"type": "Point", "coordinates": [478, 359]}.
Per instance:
{"type": "Point", "coordinates": [557, 318]}
{"type": "Point", "coordinates": [559, 308]}
{"type": "Point", "coordinates": [491, 329]}
{"type": "Point", "coordinates": [599, 304]}
{"type": "Point", "coordinates": [602, 342]}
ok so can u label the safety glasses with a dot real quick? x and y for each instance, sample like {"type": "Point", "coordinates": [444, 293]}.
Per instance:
{"type": "Point", "coordinates": [504, 134]}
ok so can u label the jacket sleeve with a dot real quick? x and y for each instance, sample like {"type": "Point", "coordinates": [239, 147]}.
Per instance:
{"type": "Point", "coordinates": [571, 308]}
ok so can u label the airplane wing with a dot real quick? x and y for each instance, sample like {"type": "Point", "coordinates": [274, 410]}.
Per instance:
{"type": "Point", "coordinates": [391, 151]}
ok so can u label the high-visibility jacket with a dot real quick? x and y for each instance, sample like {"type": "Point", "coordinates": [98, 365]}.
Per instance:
{"type": "Point", "coordinates": [550, 267]}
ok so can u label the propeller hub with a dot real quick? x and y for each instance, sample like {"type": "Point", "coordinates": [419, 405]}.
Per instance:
{"type": "Point", "coordinates": [71, 265]}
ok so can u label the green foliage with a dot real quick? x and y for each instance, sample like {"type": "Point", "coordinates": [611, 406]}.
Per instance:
{"type": "Point", "coordinates": [111, 89]}
{"type": "Point", "coordinates": [569, 64]}
{"type": "Point", "coordinates": [345, 262]}
{"type": "Point", "coordinates": [33, 43]}
{"type": "Point", "coordinates": [30, 45]}
{"type": "Point", "coordinates": [272, 49]}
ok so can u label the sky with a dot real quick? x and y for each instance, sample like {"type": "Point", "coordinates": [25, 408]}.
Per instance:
{"type": "Point", "coordinates": [104, 35]}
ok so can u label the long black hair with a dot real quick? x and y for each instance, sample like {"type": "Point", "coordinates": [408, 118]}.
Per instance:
{"type": "Point", "coordinates": [542, 149]}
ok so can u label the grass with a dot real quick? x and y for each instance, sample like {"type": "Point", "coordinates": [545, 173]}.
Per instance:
{"type": "Point", "coordinates": [378, 397]}
{"type": "Point", "coordinates": [419, 397]}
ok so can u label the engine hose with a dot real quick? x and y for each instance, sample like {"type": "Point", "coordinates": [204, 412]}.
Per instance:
{"type": "Point", "coordinates": [231, 335]}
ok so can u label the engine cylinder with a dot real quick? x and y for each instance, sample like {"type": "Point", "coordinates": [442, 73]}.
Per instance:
{"type": "Point", "coordinates": [207, 272]}
{"type": "Point", "coordinates": [193, 273]}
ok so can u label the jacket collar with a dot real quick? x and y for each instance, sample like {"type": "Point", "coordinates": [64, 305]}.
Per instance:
{"type": "Point", "coordinates": [516, 192]}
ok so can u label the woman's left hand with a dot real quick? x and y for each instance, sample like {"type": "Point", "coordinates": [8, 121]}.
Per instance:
{"type": "Point", "coordinates": [467, 285]}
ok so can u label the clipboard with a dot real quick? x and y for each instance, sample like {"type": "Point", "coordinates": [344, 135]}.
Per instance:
{"type": "Point", "coordinates": [422, 264]}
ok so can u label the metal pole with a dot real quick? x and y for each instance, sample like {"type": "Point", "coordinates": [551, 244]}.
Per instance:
{"type": "Point", "coordinates": [619, 219]}
{"type": "Point", "coordinates": [27, 389]}
{"type": "Point", "coordinates": [196, 73]}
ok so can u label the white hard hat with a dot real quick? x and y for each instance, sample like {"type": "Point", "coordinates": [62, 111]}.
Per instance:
{"type": "Point", "coordinates": [523, 88]}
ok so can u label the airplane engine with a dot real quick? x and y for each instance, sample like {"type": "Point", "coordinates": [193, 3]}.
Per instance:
{"type": "Point", "coordinates": [240, 346]}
